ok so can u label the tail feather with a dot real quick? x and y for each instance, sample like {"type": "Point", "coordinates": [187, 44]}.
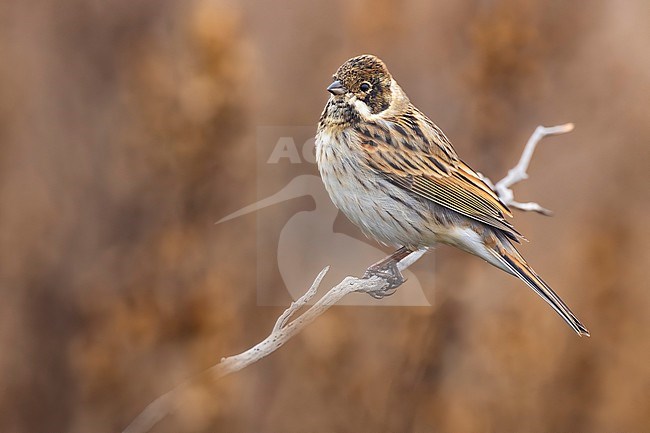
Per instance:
{"type": "Point", "coordinates": [517, 266]}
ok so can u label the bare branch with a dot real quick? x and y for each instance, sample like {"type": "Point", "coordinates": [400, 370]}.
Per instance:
{"type": "Point", "coordinates": [301, 302]}
{"type": "Point", "coordinates": [411, 258]}
{"type": "Point", "coordinates": [282, 332]}
{"type": "Point", "coordinates": [519, 171]}
{"type": "Point", "coordinates": [284, 329]}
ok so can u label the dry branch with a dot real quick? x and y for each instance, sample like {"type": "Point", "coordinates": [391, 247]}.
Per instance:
{"type": "Point", "coordinates": [285, 329]}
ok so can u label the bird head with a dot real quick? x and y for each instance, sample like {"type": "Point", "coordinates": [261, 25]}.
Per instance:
{"type": "Point", "coordinates": [364, 83]}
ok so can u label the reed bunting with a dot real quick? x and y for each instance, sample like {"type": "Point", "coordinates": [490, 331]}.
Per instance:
{"type": "Point", "coordinates": [395, 175]}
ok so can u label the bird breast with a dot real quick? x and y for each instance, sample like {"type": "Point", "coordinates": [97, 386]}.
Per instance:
{"type": "Point", "coordinates": [382, 211]}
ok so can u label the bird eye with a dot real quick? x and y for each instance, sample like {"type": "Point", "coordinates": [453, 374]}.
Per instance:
{"type": "Point", "coordinates": [365, 86]}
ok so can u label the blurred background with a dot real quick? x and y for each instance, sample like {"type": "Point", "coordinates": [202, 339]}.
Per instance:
{"type": "Point", "coordinates": [128, 128]}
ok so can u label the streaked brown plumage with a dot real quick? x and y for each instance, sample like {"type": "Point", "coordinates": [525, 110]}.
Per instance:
{"type": "Point", "coordinates": [395, 174]}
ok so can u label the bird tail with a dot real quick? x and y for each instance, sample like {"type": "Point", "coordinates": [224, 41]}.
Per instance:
{"type": "Point", "coordinates": [512, 262]}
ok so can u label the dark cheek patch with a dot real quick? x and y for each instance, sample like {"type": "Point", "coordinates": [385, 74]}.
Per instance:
{"type": "Point", "coordinates": [377, 100]}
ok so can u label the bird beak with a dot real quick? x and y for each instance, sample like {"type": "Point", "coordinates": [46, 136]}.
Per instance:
{"type": "Point", "coordinates": [336, 88]}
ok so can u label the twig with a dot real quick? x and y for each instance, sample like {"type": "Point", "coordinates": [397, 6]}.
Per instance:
{"type": "Point", "coordinates": [410, 259]}
{"type": "Point", "coordinates": [519, 171]}
{"type": "Point", "coordinates": [301, 302]}
{"type": "Point", "coordinates": [284, 330]}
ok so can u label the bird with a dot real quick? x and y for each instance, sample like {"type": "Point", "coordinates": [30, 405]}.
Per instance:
{"type": "Point", "coordinates": [397, 177]}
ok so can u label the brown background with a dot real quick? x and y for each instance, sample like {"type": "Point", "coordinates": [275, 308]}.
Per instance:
{"type": "Point", "coordinates": [128, 127]}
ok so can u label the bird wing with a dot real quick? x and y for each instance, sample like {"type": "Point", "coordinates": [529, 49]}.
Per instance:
{"type": "Point", "coordinates": [414, 154]}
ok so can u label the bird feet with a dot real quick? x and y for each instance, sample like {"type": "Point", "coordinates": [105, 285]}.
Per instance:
{"type": "Point", "coordinates": [389, 272]}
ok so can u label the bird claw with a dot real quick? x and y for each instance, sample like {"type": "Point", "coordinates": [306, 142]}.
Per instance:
{"type": "Point", "coordinates": [390, 273]}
